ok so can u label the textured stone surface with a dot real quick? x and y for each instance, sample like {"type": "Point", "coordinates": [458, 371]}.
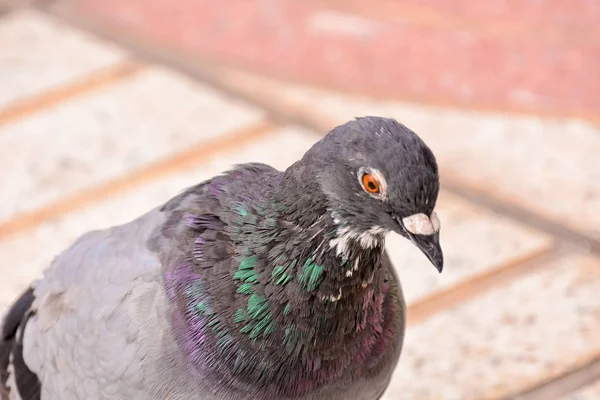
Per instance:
{"type": "Point", "coordinates": [39, 53]}
{"type": "Point", "coordinates": [590, 392]}
{"type": "Point", "coordinates": [107, 133]}
{"type": "Point", "coordinates": [534, 327]}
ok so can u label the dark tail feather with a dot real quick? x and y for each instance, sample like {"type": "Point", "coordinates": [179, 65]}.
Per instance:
{"type": "Point", "coordinates": [27, 382]}
{"type": "Point", "coordinates": [5, 350]}
{"type": "Point", "coordinates": [11, 323]}
{"type": "Point", "coordinates": [15, 315]}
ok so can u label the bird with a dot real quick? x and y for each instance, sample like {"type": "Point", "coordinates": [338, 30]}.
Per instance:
{"type": "Point", "coordinates": [253, 284]}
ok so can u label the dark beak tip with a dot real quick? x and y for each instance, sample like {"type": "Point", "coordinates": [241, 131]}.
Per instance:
{"type": "Point", "coordinates": [440, 267]}
{"type": "Point", "coordinates": [438, 262]}
{"type": "Point", "coordinates": [430, 246]}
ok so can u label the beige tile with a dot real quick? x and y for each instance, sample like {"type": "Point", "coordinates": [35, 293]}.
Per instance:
{"type": "Point", "coordinates": [533, 328]}
{"type": "Point", "coordinates": [108, 133]}
{"type": "Point", "coordinates": [590, 392]}
{"type": "Point", "coordinates": [39, 53]}
{"type": "Point", "coordinates": [548, 166]}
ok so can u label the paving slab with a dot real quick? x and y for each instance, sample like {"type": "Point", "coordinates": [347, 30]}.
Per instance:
{"type": "Point", "coordinates": [534, 328]}
{"type": "Point", "coordinates": [110, 132]}
{"type": "Point", "coordinates": [40, 53]}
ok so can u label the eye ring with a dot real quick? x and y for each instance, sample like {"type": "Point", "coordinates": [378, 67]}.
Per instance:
{"type": "Point", "coordinates": [370, 183]}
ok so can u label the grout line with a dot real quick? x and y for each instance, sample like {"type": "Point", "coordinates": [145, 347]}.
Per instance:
{"type": "Point", "coordinates": [557, 386]}
{"type": "Point", "coordinates": [96, 80]}
{"type": "Point", "coordinates": [479, 284]}
{"type": "Point", "coordinates": [177, 162]}
{"type": "Point", "coordinates": [209, 71]}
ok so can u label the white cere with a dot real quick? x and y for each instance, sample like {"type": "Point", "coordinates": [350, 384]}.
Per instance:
{"type": "Point", "coordinates": [421, 224]}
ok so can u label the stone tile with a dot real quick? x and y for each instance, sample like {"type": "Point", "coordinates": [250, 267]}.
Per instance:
{"type": "Point", "coordinates": [590, 392]}
{"type": "Point", "coordinates": [62, 150]}
{"type": "Point", "coordinates": [533, 328]}
{"type": "Point", "coordinates": [547, 166]}
{"type": "Point", "coordinates": [491, 240]}
{"type": "Point", "coordinates": [39, 53]}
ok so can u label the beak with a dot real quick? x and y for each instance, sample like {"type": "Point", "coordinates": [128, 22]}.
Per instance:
{"type": "Point", "coordinates": [430, 246]}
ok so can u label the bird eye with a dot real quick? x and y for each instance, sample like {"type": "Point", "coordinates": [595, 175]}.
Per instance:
{"type": "Point", "coordinates": [370, 183]}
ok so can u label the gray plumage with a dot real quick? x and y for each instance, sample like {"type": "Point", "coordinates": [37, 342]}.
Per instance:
{"type": "Point", "coordinates": [255, 284]}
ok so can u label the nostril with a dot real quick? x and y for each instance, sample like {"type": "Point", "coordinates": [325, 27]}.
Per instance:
{"type": "Point", "coordinates": [396, 217]}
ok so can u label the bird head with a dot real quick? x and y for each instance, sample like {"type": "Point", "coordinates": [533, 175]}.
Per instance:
{"type": "Point", "coordinates": [379, 176]}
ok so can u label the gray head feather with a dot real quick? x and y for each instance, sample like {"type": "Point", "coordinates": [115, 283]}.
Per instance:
{"type": "Point", "coordinates": [405, 172]}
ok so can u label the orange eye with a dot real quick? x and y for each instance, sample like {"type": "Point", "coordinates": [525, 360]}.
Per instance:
{"type": "Point", "coordinates": [370, 183]}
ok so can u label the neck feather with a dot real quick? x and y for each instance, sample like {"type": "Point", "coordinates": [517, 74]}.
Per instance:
{"type": "Point", "coordinates": [298, 303]}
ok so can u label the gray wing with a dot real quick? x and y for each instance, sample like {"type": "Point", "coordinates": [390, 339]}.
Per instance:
{"type": "Point", "coordinates": [100, 323]}
{"type": "Point", "coordinates": [94, 314]}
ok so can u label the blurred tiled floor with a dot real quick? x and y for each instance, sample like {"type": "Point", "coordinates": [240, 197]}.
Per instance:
{"type": "Point", "coordinates": [529, 55]}
{"type": "Point", "coordinates": [91, 136]}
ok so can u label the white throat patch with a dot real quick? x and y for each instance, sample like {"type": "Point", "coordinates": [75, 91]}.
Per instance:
{"type": "Point", "coordinates": [366, 239]}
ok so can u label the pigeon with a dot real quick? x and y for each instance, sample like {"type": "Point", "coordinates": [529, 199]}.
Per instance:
{"type": "Point", "coordinates": [254, 284]}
